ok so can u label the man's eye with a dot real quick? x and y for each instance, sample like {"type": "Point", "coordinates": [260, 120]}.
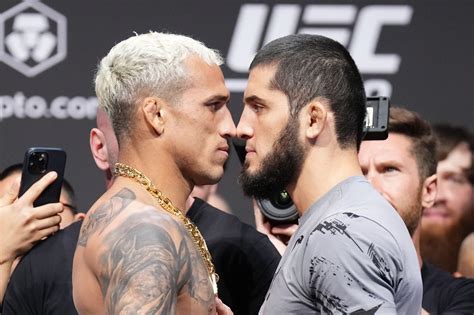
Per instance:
{"type": "Point", "coordinates": [256, 108]}
{"type": "Point", "coordinates": [215, 105]}
{"type": "Point", "coordinates": [390, 169]}
{"type": "Point", "coordinates": [457, 178]}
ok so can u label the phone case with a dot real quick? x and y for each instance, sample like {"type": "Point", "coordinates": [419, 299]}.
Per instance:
{"type": "Point", "coordinates": [38, 162]}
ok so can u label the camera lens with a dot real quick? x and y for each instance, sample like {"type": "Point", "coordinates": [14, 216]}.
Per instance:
{"type": "Point", "coordinates": [279, 208]}
{"type": "Point", "coordinates": [38, 162]}
{"type": "Point", "coordinates": [281, 200]}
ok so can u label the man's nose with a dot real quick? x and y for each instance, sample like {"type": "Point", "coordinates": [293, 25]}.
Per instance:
{"type": "Point", "coordinates": [244, 128]}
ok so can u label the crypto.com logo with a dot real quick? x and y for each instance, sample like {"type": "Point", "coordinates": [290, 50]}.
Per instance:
{"type": "Point", "coordinates": [32, 37]}
{"type": "Point", "coordinates": [358, 30]}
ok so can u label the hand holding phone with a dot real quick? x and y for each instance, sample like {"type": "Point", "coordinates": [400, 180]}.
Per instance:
{"type": "Point", "coordinates": [23, 225]}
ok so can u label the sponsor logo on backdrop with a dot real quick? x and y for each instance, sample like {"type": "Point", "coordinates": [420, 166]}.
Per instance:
{"type": "Point", "coordinates": [358, 29]}
{"type": "Point", "coordinates": [35, 107]}
{"type": "Point", "coordinates": [33, 38]}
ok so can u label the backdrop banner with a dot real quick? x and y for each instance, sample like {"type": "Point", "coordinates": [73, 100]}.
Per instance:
{"type": "Point", "coordinates": [418, 53]}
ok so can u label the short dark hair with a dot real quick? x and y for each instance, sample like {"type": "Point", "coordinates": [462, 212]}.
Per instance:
{"type": "Point", "coordinates": [10, 170]}
{"type": "Point", "coordinates": [71, 195]}
{"type": "Point", "coordinates": [312, 66]}
{"type": "Point", "coordinates": [410, 124]}
{"type": "Point", "coordinates": [449, 137]}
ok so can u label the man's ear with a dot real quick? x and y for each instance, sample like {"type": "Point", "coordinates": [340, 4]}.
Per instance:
{"type": "Point", "coordinates": [315, 117]}
{"type": "Point", "coordinates": [79, 216]}
{"type": "Point", "coordinates": [153, 109]}
{"type": "Point", "coordinates": [429, 191]}
{"type": "Point", "coordinates": [99, 149]}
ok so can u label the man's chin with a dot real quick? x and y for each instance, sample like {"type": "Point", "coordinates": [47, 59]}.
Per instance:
{"type": "Point", "coordinates": [210, 178]}
{"type": "Point", "coordinates": [436, 219]}
{"type": "Point", "coordinates": [436, 225]}
{"type": "Point", "coordinates": [253, 187]}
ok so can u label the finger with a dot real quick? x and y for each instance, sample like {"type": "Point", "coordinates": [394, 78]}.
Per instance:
{"type": "Point", "coordinates": [48, 210]}
{"type": "Point", "coordinates": [33, 193]}
{"type": "Point", "coordinates": [11, 194]}
{"type": "Point", "coordinates": [48, 222]}
{"type": "Point", "coordinates": [47, 232]}
{"type": "Point", "coordinates": [287, 229]}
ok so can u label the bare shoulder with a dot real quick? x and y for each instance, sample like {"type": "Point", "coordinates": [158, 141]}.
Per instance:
{"type": "Point", "coordinates": [104, 214]}
{"type": "Point", "coordinates": [144, 259]}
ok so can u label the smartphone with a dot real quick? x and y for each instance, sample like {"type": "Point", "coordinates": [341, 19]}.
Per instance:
{"type": "Point", "coordinates": [38, 162]}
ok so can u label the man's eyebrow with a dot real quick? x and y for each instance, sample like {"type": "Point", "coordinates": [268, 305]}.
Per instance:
{"type": "Point", "coordinates": [254, 99]}
{"type": "Point", "coordinates": [217, 98]}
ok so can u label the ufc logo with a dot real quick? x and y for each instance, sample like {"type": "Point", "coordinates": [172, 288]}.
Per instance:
{"type": "Point", "coordinates": [358, 30]}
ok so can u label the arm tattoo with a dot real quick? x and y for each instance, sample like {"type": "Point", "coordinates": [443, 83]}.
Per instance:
{"type": "Point", "coordinates": [143, 271]}
{"type": "Point", "coordinates": [105, 214]}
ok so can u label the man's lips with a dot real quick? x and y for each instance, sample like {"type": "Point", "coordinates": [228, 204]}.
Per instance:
{"type": "Point", "coordinates": [435, 213]}
{"type": "Point", "coordinates": [224, 149]}
{"type": "Point", "coordinates": [250, 152]}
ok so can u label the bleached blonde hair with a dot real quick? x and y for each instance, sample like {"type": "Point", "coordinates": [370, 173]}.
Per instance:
{"type": "Point", "coordinates": [150, 64]}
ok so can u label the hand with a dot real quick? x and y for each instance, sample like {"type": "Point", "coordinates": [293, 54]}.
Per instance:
{"type": "Point", "coordinates": [221, 308]}
{"type": "Point", "coordinates": [284, 231]}
{"type": "Point", "coordinates": [22, 225]}
{"type": "Point", "coordinates": [278, 235]}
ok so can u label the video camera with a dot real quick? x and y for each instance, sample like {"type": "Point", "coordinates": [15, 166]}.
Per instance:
{"type": "Point", "coordinates": [279, 208]}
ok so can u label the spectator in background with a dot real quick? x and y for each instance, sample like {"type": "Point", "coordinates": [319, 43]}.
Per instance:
{"type": "Point", "coordinates": [40, 262]}
{"type": "Point", "coordinates": [209, 194]}
{"type": "Point", "coordinates": [12, 174]}
{"type": "Point", "coordinates": [22, 225]}
{"type": "Point", "coordinates": [104, 145]}
{"type": "Point", "coordinates": [466, 258]}
{"type": "Point", "coordinates": [445, 225]}
{"type": "Point", "coordinates": [403, 169]}
{"type": "Point", "coordinates": [42, 282]}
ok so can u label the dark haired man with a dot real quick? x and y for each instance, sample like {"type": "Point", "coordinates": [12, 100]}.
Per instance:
{"type": "Point", "coordinates": [445, 225]}
{"type": "Point", "coordinates": [403, 169]}
{"type": "Point", "coordinates": [304, 109]}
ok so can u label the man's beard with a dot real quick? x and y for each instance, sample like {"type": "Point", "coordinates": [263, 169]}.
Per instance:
{"type": "Point", "coordinates": [440, 243]}
{"type": "Point", "coordinates": [279, 168]}
{"type": "Point", "coordinates": [413, 212]}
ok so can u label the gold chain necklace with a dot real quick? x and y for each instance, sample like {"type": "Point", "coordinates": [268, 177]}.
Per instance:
{"type": "Point", "coordinates": [121, 169]}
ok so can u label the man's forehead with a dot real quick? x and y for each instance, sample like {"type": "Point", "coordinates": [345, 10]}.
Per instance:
{"type": "Point", "coordinates": [204, 79]}
{"type": "Point", "coordinates": [260, 88]}
{"type": "Point", "coordinates": [458, 160]}
{"type": "Point", "coordinates": [396, 148]}
{"type": "Point", "coordinates": [261, 76]}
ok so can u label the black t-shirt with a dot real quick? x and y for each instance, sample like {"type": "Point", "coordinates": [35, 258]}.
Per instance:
{"type": "Point", "coordinates": [244, 258]}
{"type": "Point", "coordinates": [445, 294]}
{"type": "Point", "coordinates": [42, 281]}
